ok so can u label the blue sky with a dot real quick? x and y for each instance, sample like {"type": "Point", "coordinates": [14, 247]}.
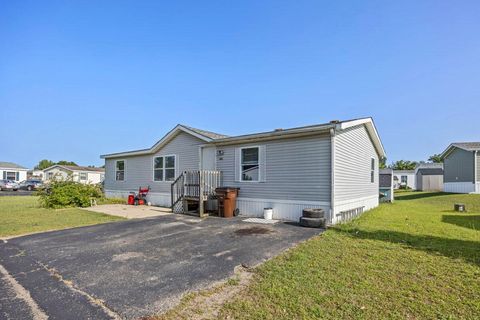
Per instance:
{"type": "Point", "coordinates": [79, 79]}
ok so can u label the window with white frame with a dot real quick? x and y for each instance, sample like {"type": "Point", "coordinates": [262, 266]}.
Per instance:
{"type": "Point", "coordinates": [404, 179]}
{"type": "Point", "coordinates": [164, 168]}
{"type": "Point", "coordinates": [372, 171]}
{"type": "Point", "coordinates": [11, 175]}
{"type": "Point", "coordinates": [249, 164]}
{"type": "Point", "coordinates": [83, 176]}
{"type": "Point", "coordinates": [50, 176]}
{"type": "Point", "coordinates": [120, 170]}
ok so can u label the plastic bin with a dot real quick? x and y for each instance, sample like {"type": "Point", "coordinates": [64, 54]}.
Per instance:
{"type": "Point", "coordinates": [227, 201]}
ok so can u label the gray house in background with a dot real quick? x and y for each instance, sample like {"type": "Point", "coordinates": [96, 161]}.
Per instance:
{"type": "Point", "coordinates": [429, 177]}
{"type": "Point", "coordinates": [333, 166]}
{"type": "Point", "coordinates": [461, 163]}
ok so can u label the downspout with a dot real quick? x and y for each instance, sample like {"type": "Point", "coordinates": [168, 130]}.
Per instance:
{"type": "Point", "coordinates": [332, 187]}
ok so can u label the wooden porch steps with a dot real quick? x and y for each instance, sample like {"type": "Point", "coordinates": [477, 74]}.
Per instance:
{"type": "Point", "coordinates": [192, 189]}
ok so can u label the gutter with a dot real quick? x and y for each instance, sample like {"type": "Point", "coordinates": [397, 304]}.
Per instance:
{"type": "Point", "coordinates": [332, 166]}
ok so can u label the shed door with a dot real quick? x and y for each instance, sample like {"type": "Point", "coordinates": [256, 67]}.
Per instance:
{"type": "Point", "coordinates": [208, 158]}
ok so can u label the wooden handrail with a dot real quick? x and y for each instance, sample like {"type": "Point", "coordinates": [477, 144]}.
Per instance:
{"type": "Point", "coordinates": [195, 184]}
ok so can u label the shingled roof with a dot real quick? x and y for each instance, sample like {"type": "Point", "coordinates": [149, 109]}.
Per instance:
{"type": "Point", "coordinates": [469, 146]}
{"type": "Point", "coordinates": [77, 168]}
{"type": "Point", "coordinates": [4, 164]}
{"type": "Point", "coordinates": [208, 134]}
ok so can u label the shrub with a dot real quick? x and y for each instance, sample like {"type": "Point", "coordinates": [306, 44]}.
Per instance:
{"type": "Point", "coordinates": [68, 193]}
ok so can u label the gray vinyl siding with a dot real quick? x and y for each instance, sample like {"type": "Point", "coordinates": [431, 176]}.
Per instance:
{"type": "Point", "coordinates": [478, 166]}
{"type": "Point", "coordinates": [296, 169]}
{"type": "Point", "coordinates": [353, 153]}
{"type": "Point", "coordinates": [459, 166]}
{"type": "Point", "coordinates": [139, 169]}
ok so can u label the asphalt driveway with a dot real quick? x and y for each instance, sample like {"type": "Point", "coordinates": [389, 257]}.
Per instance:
{"type": "Point", "coordinates": [132, 268]}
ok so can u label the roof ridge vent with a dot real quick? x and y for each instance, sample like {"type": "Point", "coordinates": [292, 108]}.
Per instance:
{"type": "Point", "coordinates": [335, 121]}
{"type": "Point", "coordinates": [278, 129]}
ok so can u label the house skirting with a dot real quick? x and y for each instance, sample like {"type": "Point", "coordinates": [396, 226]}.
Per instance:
{"type": "Point", "coordinates": [156, 198]}
{"type": "Point", "coordinates": [290, 210]}
{"type": "Point", "coordinates": [282, 209]}
{"type": "Point", "coordinates": [362, 204]}
{"type": "Point", "coordinates": [461, 187]}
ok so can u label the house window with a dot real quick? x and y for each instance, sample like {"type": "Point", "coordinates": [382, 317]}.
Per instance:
{"type": "Point", "coordinates": [404, 179]}
{"type": "Point", "coordinates": [120, 170]}
{"type": "Point", "coordinates": [50, 176]}
{"type": "Point", "coordinates": [164, 168]}
{"type": "Point", "coordinates": [249, 164]}
{"type": "Point", "coordinates": [11, 175]}
{"type": "Point", "coordinates": [372, 171]}
{"type": "Point", "coordinates": [83, 176]}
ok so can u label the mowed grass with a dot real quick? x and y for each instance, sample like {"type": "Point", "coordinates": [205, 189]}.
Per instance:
{"type": "Point", "coordinates": [23, 215]}
{"type": "Point", "coordinates": [413, 259]}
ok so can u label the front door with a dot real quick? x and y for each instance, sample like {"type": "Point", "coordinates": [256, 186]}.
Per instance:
{"type": "Point", "coordinates": [208, 158]}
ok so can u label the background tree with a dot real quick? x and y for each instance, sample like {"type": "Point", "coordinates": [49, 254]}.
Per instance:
{"type": "Point", "coordinates": [383, 163]}
{"type": "Point", "coordinates": [403, 165]}
{"type": "Point", "coordinates": [435, 158]}
{"type": "Point", "coordinates": [66, 163]}
{"type": "Point", "coordinates": [44, 164]}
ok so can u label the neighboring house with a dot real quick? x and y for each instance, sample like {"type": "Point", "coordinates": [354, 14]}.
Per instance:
{"type": "Point", "coordinates": [12, 171]}
{"type": "Point", "coordinates": [386, 185]}
{"type": "Point", "coordinates": [461, 165]}
{"type": "Point", "coordinates": [35, 174]}
{"type": "Point", "coordinates": [429, 177]}
{"type": "Point", "coordinates": [76, 173]}
{"type": "Point", "coordinates": [402, 178]}
{"type": "Point", "coordinates": [333, 166]}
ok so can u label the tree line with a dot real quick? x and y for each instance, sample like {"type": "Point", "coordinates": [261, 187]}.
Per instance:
{"type": "Point", "coordinates": [407, 164]}
{"type": "Point", "coordinates": [45, 163]}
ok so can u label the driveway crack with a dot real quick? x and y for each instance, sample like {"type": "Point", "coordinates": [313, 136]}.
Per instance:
{"type": "Point", "coordinates": [23, 294]}
{"type": "Point", "coordinates": [92, 300]}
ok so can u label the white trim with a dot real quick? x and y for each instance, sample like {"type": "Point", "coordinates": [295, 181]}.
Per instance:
{"type": "Point", "coordinates": [124, 170]}
{"type": "Point", "coordinates": [164, 168]}
{"type": "Point", "coordinates": [332, 169]}
{"type": "Point", "coordinates": [240, 164]}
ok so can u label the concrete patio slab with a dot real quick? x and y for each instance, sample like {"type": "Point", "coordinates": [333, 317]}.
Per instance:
{"type": "Point", "coordinates": [130, 212]}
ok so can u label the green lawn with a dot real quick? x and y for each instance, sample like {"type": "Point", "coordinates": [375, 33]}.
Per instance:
{"type": "Point", "coordinates": [21, 215]}
{"type": "Point", "coordinates": [413, 259]}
